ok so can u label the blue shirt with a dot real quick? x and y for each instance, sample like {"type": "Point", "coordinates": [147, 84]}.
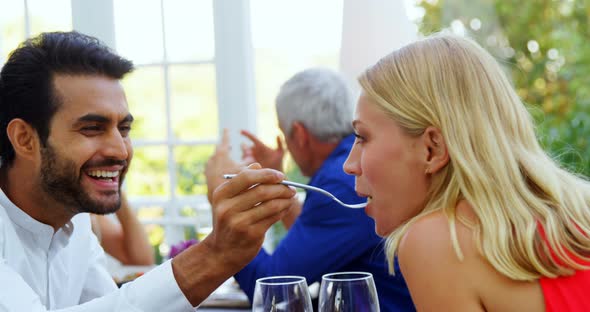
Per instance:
{"type": "Point", "coordinates": [327, 237]}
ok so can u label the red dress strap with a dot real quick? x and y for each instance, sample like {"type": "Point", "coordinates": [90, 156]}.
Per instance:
{"type": "Point", "coordinates": [566, 293]}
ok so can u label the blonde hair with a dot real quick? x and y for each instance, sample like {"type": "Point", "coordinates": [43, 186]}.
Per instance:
{"type": "Point", "coordinates": [496, 162]}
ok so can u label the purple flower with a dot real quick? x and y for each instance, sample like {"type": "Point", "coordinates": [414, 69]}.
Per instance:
{"type": "Point", "coordinates": [180, 247]}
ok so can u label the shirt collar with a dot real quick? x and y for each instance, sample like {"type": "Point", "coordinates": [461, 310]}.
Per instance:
{"type": "Point", "coordinates": [41, 232]}
{"type": "Point", "coordinates": [342, 149]}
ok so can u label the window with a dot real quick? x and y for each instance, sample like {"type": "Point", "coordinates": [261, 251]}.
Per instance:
{"type": "Point", "coordinates": [22, 19]}
{"type": "Point", "coordinates": [172, 95]}
{"type": "Point", "coordinates": [186, 73]}
{"type": "Point", "coordinates": [283, 46]}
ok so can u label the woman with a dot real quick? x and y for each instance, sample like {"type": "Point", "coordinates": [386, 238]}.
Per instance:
{"type": "Point", "coordinates": [479, 216]}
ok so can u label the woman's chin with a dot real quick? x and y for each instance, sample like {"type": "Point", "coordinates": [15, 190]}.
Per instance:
{"type": "Point", "coordinates": [381, 232]}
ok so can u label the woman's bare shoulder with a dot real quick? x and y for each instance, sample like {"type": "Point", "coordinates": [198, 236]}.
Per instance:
{"type": "Point", "coordinates": [439, 279]}
{"type": "Point", "coordinates": [432, 234]}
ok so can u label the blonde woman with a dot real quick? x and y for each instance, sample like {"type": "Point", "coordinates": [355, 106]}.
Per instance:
{"type": "Point", "coordinates": [479, 216]}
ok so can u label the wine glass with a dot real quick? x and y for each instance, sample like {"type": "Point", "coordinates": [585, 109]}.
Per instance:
{"type": "Point", "coordinates": [281, 293]}
{"type": "Point", "coordinates": [347, 292]}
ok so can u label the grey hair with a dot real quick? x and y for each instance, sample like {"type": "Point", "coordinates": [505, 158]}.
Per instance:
{"type": "Point", "coordinates": [320, 99]}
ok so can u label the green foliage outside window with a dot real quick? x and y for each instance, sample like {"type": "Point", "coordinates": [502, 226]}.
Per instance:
{"type": "Point", "coordinates": [544, 47]}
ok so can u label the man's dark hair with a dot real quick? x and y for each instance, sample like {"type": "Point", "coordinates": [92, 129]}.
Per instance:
{"type": "Point", "coordinates": [26, 80]}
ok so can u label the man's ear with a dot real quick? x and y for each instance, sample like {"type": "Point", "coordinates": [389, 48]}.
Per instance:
{"type": "Point", "coordinates": [23, 137]}
{"type": "Point", "coordinates": [300, 134]}
{"type": "Point", "coordinates": [437, 156]}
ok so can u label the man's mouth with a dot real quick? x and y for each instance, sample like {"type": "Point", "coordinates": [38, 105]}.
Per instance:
{"type": "Point", "coordinates": [104, 175]}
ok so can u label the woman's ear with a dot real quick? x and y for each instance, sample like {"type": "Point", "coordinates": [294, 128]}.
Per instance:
{"type": "Point", "coordinates": [23, 137]}
{"type": "Point", "coordinates": [437, 152]}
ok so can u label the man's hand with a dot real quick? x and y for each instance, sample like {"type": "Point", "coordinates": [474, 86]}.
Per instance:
{"type": "Point", "coordinates": [261, 153]}
{"type": "Point", "coordinates": [244, 208]}
{"type": "Point", "coordinates": [218, 164]}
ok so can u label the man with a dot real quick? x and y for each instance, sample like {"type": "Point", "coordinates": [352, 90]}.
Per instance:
{"type": "Point", "coordinates": [315, 113]}
{"type": "Point", "coordinates": [65, 149]}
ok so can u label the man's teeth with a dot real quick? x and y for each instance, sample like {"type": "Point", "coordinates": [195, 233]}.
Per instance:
{"type": "Point", "coordinates": [103, 174]}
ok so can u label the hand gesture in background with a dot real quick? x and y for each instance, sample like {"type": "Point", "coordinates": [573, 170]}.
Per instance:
{"type": "Point", "coordinates": [261, 153]}
{"type": "Point", "coordinates": [220, 163]}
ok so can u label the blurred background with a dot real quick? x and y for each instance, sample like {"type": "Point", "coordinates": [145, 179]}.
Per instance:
{"type": "Point", "coordinates": [205, 65]}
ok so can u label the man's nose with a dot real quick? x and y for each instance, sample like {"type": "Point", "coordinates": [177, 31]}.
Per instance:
{"type": "Point", "coordinates": [117, 146]}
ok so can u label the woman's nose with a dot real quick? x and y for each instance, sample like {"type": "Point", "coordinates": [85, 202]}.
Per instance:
{"type": "Point", "coordinates": [351, 165]}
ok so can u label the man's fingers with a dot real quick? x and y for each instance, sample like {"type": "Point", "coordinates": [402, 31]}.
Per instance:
{"type": "Point", "coordinates": [251, 137]}
{"type": "Point", "coordinates": [223, 146]}
{"type": "Point", "coordinates": [258, 195]}
{"type": "Point", "coordinates": [246, 151]}
{"type": "Point", "coordinates": [266, 223]}
{"type": "Point", "coordinates": [246, 179]}
{"type": "Point", "coordinates": [271, 209]}
{"type": "Point", "coordinates": [265, 214]}
{"type": "Point", "coordinates": [225, 138]}
{"type": "Point", "coordinates": [246, 161]}
{"type": "Point", "coordinates": [262, 193]}
{"type": "Point", "coordinates": [279, 143]}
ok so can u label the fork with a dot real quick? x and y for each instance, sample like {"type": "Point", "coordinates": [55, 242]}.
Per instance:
{"type": "Point", "coordinates": [311, 188]}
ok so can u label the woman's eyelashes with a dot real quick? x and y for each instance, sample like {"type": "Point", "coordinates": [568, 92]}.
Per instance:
{"type": "Point", "coordinates": [359, 138]}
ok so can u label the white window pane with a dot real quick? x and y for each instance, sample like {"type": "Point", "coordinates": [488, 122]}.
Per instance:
{"type": "Point", "coordinates": [138, 30]}
{"type": "Point", "coordinates": [190, 168]}
{"type": "Point", "coordinates": [189, 30]}
{"type": "Point", "coordinates": [148, 174]}
{"type": "Point", "coordinates": [54, 15]}
{"type": "Point", "coordinates": [193, 101]}
{"type": "Point", "coordinates": [12, 26]}
{"type": "Point", "coordinates": [146, 97]}
{"type": "Point", "coordinates": [284, 45]}
{"type": "Point", "coordinates": [304, 29]}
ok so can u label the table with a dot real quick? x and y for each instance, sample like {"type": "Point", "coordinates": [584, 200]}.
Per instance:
{"type": "Point", "coordinates": [227, 297]}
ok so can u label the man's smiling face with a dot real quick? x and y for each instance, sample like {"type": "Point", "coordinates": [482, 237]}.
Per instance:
{"type": "Point", "coordinates": [87, 153]}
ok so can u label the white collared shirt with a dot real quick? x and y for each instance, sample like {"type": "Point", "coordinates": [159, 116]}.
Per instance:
{"type": "Point", "coordinates": [41, 270]}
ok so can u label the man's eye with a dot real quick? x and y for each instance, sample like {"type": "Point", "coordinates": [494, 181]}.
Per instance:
{"type": "Point", "coordinates": [124, 130]}
{"type": "Point", "coordinates": [91, 128]}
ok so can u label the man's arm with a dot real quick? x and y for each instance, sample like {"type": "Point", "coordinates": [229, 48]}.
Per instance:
{"type": "Point", "coordinates": [244, 208]}
{"type": "Point", "coordinates": [155, 292]}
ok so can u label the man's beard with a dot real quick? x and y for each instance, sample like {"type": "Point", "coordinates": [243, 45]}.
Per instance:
{"type": "Point", "coordinates": [61, 180]}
